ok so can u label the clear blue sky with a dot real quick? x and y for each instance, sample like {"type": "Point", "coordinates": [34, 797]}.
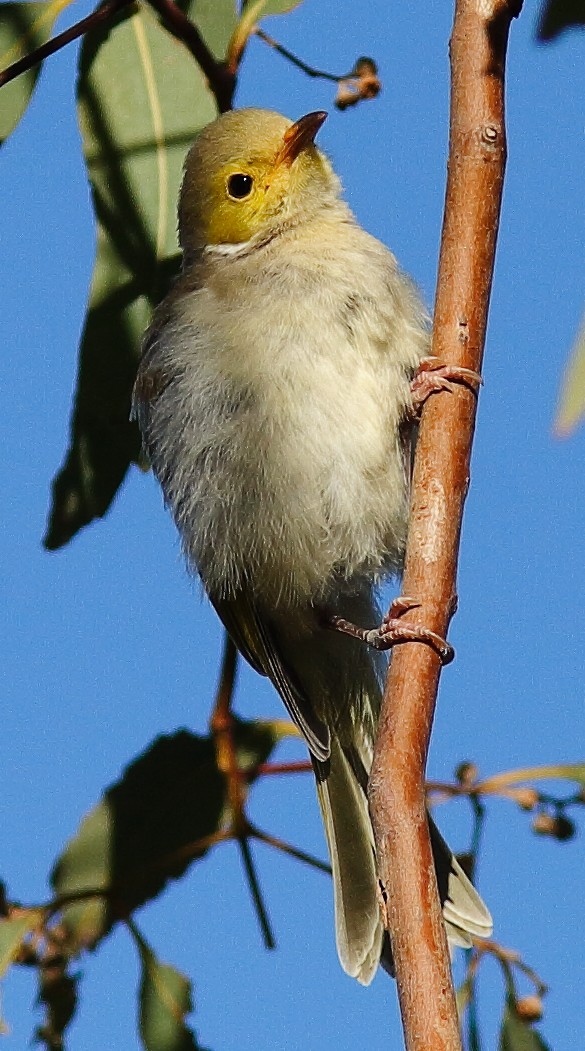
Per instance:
{"type": "Point", "coordinates": [106, 644]}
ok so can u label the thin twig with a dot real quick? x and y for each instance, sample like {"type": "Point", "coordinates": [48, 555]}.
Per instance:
{"type": "Point", "coordinates": [227, 681]}
{"type": "Point", "coordinates": [104, 13]}
{"type": "Point", "coordinates": [477, 155]}
{"type": "Point", "coordinates": [302, 766]}
{"type": "Point", "coordinates": [298, 62]}
{"type": "Point", "coordinates": [221, 81]}
{"type": "Point", "coordinates": [257, 898]}
{"type": "Point", "coordinates": [287, 848]}
{"type": "Point", "coordinates": [227, 760]}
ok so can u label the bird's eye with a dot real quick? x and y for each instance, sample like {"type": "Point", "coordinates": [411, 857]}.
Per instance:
{"type": "Point", "coordinates": [240, 186]}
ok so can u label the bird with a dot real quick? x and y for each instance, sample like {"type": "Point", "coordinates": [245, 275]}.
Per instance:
{"type": "Point", "coordinates": [275, 402]}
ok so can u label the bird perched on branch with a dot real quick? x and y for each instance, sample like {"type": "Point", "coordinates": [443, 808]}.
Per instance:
{"type": "Point", "coordinates": [275, 403]}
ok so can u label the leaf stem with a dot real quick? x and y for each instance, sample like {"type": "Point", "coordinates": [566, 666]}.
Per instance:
{"type": "Point", "coordinates": [254, 885]}
{"type": "Point", "coordinates": [298, 62]}
{"type": "Point", "coordinates": [287, 848]}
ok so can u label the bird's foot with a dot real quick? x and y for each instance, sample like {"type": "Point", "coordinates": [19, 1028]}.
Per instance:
{"type": "Point", "coordinates": [433, 375]}
{"type": "Point", "coordinates": [392, 630]}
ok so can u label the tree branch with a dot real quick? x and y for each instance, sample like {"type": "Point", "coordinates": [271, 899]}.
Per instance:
{"type": "Point", "coordinates": [477, 154]}
{"type": "Point", "coordinates": [103, 13]}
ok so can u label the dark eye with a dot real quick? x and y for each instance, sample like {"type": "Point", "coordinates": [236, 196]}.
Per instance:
{"type": "Point", "coordinates": [240, 186]}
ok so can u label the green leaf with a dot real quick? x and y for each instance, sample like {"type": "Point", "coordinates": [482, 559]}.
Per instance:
{"type": "Point", "coordinates": [165, 999]}
{"type": "Point", "coordinates": [141, 99]}
{"type": "Point", "coordinates": [23, 28]}
{"type": "Point", "coordinates": [250, 17]}
{"type": "Point", "coordinates": [517, 1035]}
{"type": "Point", "coordinates": [550, 772]}
{"type": "Point", "coordinates": [572, 397]}
{"type": "Point", "coordinates": [147, 828]}
{"type": "Point", "coordinates": [13, 931]}
{"type": "Point", "coordinates": [557, 15]}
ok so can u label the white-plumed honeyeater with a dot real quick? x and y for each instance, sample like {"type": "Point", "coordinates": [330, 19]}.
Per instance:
{"type": "Point", "coordinates": [274, 399]}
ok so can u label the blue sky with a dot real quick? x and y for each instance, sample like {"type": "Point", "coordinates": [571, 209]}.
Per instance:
{"type": "Point", "coordinates": [107, 643]}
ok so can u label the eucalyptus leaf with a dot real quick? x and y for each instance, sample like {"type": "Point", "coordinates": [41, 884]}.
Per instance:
{"type": "Point", "coordinates": [13, 931]}
{"type": "Point", "coordinates": [142, 99]}
{"type": "Point", "coordinates": [23, 28]}
{"type": "Point", "coordinates": [572, 397]}
{"type": "Point", "coordinates": [165, 1000]}
{"type": "Point", "coordinates": [517, 1035]}
{"type": "Point", "coordinates": [146, 828]}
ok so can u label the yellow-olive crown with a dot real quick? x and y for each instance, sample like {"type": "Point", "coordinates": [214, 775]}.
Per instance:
{"type": "Point", "coordinates": [250, 172]}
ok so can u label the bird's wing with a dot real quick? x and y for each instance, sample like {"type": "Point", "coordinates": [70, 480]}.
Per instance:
{"type": "Point", "coordinates": [252, 634]}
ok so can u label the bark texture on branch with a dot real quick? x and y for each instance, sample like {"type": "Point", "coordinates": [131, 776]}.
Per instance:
{"type": "Point", "coordinates": [477, 155]}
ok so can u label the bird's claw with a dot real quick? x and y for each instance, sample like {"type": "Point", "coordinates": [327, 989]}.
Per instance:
{"type": "Point", "coordinates": [392, 630]}
{"type": "Point", "coordinates": [434, 375]}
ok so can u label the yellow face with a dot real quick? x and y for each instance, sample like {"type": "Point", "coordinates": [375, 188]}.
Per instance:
{"type": "Point", "coordinates": [249, 171]}
{"type": "Point", "coordinates": [247, 197]}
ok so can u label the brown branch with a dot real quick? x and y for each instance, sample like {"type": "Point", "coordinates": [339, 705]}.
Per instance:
{"type": "Point", "coordinates": [477, 155]}
{"type": "Point", "coordinates": [298, 62]}
{"type": "Point", "coordinates": [105, 13]}
{"type": "Point", "coordinates": [221, 81]}
{"type": "Point", "coordinates": [254, 885]}
{"type": "Point", "coordinates": [287, 848]}
{"type": "Point", "coordinates": [362, 82]}
{"type": "Point", "coordinates": [300, 766]}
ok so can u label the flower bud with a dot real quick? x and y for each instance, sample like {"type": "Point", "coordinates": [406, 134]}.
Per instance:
{"type": "Point", "coordinates": [544, 824]}
{"type": "Point", "coordinates": [527, 798]}
{"type": "Point", "coordinates": [466, 774]}
{"type": "Point", "coordinates": [529, 1008]}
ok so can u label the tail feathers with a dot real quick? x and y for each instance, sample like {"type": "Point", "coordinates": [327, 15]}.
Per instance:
{"type": "Point", "coordinates": [466, 917]}
{"type": "Point", "coordinates": [361, 941]}
{"type": "Point", "coordinates": [358, 927]}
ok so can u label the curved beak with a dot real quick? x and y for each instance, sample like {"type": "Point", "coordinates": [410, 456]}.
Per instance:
{"type": "Point", "coordinates": [300, 135]}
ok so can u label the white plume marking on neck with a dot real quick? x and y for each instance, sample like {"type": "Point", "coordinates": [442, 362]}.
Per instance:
{"type": "Point", "coordinates": [230, 249]}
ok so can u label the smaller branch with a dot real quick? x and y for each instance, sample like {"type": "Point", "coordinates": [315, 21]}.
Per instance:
{"type": "Point", "coordinates": [507, 958]}
{"type": "Point", "coordinates": [362, 82]}
{"type": "Point", "coordinates": [225, 690]}
{"type": "Point", "coordinates": [478, 823]}
{"type": "Point", "coordinates": [303, 766]}
{"type": "Point", "coordinates": [221, 81]}
{"type": "Point", "coordinates": [298, 62]}
{"type": "Point", "coordinates": [227, 761]}
{"type": "Point", "coordinates": [105, 13]}
{"type": "Point", "coordinates": [257, 898]}
{"type": "Point", "coordinates": [287, 848]}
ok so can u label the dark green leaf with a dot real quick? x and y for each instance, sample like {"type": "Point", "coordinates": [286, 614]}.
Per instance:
{"type": "Point", "coordinates": [165, 999]}
{"type": "Point", "coordinates": [146, 829]}
{"type": "Point", "coordinates": [142, 99]}
{"type": "Point", "coordinates": [13, 930]}
{"type": "Point", "coordinates": [517, 1035]}
{"type": "Point", "coordinates": [23, 28]}
{"type": "Point", "coordinates": [557, 15]}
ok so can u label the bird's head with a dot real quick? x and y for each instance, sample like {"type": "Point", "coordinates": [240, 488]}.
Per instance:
{"type": "Point", "coordinates": [249, 173]}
